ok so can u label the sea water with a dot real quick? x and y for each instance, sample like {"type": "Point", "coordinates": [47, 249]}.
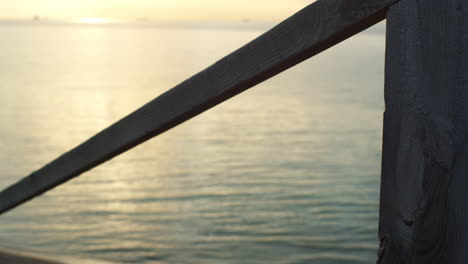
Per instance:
{"type": "Point", "coordinates": [287, 172]}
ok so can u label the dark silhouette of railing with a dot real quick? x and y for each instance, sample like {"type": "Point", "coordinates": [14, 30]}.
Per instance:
{"type": "Point", "coordinates": [424, 128]}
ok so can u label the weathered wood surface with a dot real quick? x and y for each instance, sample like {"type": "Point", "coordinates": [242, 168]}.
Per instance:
{"type": "Point", "coordinates": [312, 30]}
{"type": "Point", "coordinates": [424, 188]}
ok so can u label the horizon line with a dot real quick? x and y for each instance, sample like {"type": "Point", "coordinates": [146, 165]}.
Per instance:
{"type": "Point", "coordinates": [138, 22]}
{"type": "Point", "coordinates": [148, 23]}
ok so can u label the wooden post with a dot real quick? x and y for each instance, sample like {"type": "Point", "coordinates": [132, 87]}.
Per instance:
{"type": "Point", "coordinates": [424, 191]}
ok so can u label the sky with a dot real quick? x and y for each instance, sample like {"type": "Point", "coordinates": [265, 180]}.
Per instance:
{"type": "Point", "coordinates": [158, 10]}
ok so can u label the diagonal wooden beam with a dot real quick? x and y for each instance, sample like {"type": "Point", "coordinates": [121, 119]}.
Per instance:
{"type": "Point", "coordinates": [315, 28]}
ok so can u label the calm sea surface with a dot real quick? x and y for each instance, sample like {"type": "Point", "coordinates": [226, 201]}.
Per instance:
{"type": "Point", "coordinates": [287, 172]}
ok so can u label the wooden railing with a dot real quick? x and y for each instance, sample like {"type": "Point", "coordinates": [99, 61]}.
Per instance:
{"type": "Point", "coordinates": [424, 127]}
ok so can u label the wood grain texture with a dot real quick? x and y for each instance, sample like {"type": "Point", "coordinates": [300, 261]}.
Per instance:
{"type": "Point", "coordinates": [312, 30]}
{"type": "Point", "coordinates": [424, 208]}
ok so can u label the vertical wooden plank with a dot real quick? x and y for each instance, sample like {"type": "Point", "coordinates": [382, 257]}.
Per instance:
{"type": "Point", "coordinates": [424, 189]}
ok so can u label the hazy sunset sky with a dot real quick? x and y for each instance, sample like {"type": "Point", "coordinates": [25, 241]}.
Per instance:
{"type": "Point", "coordinates": [164, 10]}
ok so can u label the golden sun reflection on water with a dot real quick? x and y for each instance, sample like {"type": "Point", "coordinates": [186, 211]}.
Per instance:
{"type": "Point", "coordinates": [286, 172]}
{"type": "Point", "coordinates": [93, 20]}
